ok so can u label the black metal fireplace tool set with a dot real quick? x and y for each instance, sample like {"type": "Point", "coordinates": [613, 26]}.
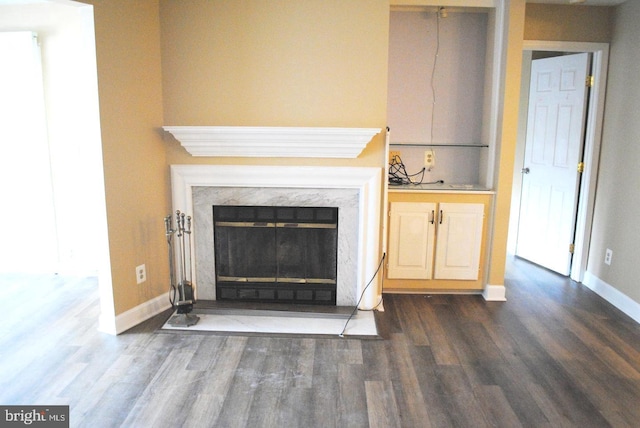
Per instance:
{"type": "Point", "coordinates": [181, 291]}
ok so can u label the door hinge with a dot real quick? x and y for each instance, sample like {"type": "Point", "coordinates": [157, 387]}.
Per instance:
{"type": "Point", "coordinates": [572, 247]}
{"type": "Point", "coordinates": [590, 81]}
{"type": "Point", "coordinates": [580, 167]}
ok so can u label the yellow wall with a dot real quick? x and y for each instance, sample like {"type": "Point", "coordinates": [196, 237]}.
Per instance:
{"type": "Point", "coordinates": [508, 136]}
{"type": "Point", "coordinates": [270, 62]}
{"type": "Point", "coordinates": [275, 63]}
{"type": "Point", "coordinates": [568, 23]}
{"type": "Point", "coordinates": [135, 168]}
{"type": "Point", "coordinates": [258, 63]}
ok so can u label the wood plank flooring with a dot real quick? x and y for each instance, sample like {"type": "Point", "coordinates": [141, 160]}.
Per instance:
{"type": "Point", "coordinates": [553, 355]}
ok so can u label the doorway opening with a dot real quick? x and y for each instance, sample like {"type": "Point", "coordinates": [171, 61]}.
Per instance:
{"type": "Point", "coordinates": [63, 50]}
{"type": "Point", "coordinates": [592, 128]}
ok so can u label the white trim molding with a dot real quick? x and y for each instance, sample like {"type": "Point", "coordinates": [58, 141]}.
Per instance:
{"type": "Point", "coordinates": [136, 315]}
{"type": "Point", "coordinates": [612, 295]}
{"type": "Point", "coordinates": [495, 293]}
{"type": "Point", "coordinates": [269, 141]}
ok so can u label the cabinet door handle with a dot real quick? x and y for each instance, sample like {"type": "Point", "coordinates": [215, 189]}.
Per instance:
{"type": "Point", "coordinates": [440, 216]}
{"type": "Point", "coordinates": [433, 217]}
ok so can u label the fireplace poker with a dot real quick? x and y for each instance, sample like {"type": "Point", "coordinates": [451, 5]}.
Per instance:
{"type": "Point", "coordinates": [169, 234]}
{"type": "Point", "coordinates": [188, 232]}
{"type": "Point", "coordinates": [181, 235]}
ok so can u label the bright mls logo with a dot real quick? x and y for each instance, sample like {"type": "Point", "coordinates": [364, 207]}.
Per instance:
{"type": "Point", "coordinates": [34, 416]}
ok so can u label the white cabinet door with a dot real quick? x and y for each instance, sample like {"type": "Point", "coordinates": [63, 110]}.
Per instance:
{"type": "Point", "coordinates": [459, 240]}
{"type": "Point", "coordinates": [411, 240]}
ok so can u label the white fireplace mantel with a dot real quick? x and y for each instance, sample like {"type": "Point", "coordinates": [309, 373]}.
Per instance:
{"type": "Point", "coordinates": [269, 141]}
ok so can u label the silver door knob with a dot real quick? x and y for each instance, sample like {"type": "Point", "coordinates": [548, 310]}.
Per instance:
{"type": "Point", "coordinates": [525, 170]}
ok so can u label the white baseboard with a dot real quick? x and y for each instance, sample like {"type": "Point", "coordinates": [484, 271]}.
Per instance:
{"type": "Point", "coordinates": [107, 324]}
{"type": "Point", "coordinates": [495, 293]}
{"type": "Point", "coordinates": [135, 316]}
{"type": "Point", "coordinates": [613, 296]}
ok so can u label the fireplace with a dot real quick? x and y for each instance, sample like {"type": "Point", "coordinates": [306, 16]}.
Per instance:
{"type": "Point", "coordinates": [354, 191]}
{"type": "Point", "coordinates": [277, 254]}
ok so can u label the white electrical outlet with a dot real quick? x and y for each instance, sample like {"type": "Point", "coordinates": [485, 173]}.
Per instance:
{"type": "Point", "coordinates": [607, 256]}
{"type": "Point", "coordinates": [141, 274]}
{"type": "Point", "coordinates": [429, 159]}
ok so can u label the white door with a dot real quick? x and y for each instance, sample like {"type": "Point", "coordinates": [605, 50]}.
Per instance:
{"type": "Point", "coordinates": [553, 149]}
{"type": "Point", "coordinates": [411, 240]}
{"type": "Point", "coordinates": [459, 241]}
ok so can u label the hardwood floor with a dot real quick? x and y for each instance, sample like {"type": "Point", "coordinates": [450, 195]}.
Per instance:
{"type": "Point", "coordinates": [554, 354]}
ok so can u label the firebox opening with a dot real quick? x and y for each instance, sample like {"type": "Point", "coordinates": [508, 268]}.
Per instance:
{"type": "Point", "coordinates": [276, 253]}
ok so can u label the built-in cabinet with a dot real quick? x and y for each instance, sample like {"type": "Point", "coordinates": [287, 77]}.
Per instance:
{"type": "Point", "coordinates": [436, 240]}
{"type": "Point", "coordinates": [444, 105]}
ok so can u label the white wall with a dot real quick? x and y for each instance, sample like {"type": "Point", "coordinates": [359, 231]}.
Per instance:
{"type": "Point", "coordinates": [617, 206]}
{"type": "Point", "coordinates": [454, 116]}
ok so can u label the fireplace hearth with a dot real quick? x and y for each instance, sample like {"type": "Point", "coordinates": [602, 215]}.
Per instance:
{"type": "Point", "coordinates": [276, 253]}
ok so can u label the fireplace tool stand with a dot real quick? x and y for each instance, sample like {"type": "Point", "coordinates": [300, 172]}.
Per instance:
{"type": "Point", "coordinates": [183, 289]}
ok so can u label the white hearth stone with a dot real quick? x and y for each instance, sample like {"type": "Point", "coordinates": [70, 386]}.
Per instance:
{"type": "Point", "coordinates": [362, 324]}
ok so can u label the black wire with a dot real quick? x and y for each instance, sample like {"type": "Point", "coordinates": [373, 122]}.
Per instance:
{"type": "Point", "coordinates": [362, 295]}
{"type": "Point", "coordinates": [172, 298]}
{"type": "Point", "coordinates": [398, 174]}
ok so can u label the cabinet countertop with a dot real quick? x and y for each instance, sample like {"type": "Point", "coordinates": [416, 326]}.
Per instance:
{"type": "Point", "coordinates": [441, 188]}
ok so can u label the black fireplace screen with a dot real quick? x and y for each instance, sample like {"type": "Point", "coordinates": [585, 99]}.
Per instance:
{"type": "Point", "coordinates": [276, 254]}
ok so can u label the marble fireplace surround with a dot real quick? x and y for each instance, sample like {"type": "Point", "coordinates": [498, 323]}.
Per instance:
{"type": "Point", "coordinates": [354, 190]}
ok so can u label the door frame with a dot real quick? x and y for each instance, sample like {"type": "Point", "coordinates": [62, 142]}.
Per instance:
{"type": "Point", "coordinates": [593, 139]}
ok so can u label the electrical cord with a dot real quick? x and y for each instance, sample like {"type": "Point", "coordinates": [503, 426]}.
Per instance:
{"type": "Point", "coordinates": [173, 291]}
{"type": "Point", "coordinates": [433, 71]}
{"type": "Point", "coordinates": [384, 255]}
{"type": "Point", "coordinates": [398, 174]}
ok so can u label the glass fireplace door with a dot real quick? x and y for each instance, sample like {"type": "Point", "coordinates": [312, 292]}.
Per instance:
{"type": "Point", "coordinates": [277, 254]}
